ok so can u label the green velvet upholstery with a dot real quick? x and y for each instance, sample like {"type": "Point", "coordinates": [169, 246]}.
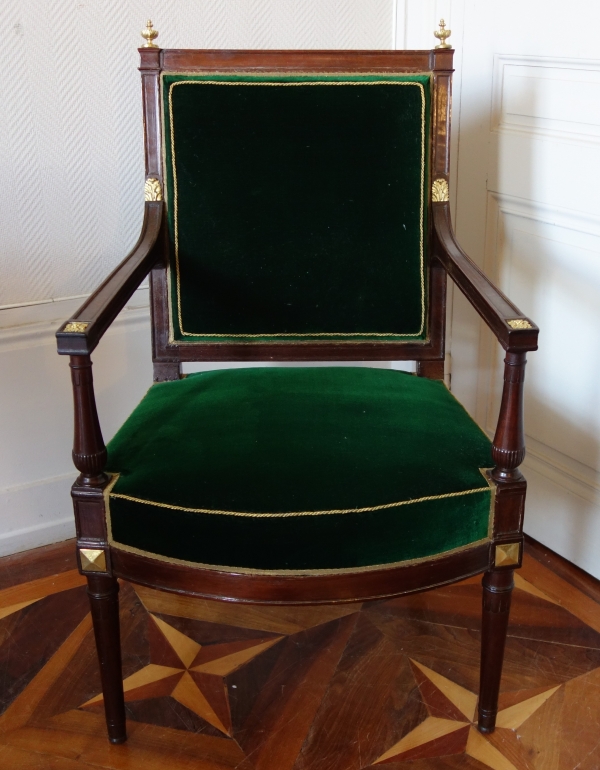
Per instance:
{"type": "Point", "coordinates": [297, 206]}
{"type": "Point", "coordinates": [321, 468]}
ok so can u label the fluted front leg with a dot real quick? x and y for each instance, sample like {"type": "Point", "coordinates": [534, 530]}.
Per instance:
{"type": "Point", "coordinates": [497, 591]}
{"type": "Point", "coordinates": [104, 601]}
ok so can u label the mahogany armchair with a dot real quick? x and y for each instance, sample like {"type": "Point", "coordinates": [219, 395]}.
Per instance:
{"type": "Point", "coordinates": [296, 209]}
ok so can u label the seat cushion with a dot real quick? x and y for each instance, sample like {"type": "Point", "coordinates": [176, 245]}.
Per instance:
{"type": "Point", "coordinates": [302, 469]}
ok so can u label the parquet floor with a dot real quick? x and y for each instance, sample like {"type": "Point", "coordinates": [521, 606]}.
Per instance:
{"type": "Point", "coordinates": [212, 686]}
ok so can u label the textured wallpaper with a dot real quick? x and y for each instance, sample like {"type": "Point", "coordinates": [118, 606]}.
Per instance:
{"type": "Point", "coordinates": [71, 166]}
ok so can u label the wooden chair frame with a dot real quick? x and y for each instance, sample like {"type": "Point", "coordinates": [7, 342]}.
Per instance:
{"type": "Point", "coordinates": [102, 563]}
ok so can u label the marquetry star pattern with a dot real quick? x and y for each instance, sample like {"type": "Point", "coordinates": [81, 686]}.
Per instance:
{"type": "Point", "coordinates": [197, 681]}
{"type": "Point", "coordinates": [450, 725]}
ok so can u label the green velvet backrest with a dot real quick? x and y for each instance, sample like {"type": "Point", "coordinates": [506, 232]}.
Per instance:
{"type": "Point", "coordinates": [297, 206]}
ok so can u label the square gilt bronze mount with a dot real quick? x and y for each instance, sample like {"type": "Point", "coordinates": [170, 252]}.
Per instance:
{"type": "Point", "coordinates": [507, 554]}
{"type": "Point", "coordinates": [92, 559]}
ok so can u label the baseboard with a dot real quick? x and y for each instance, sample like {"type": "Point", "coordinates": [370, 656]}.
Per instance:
{"type": "Point", "coordinates": [44, 503]}
{"type": "Point", "coordinates": [566, 522]}
{"type": "Point", "coordinates": [45, 561]}
{"type": "Point", "coordinates": [565, 569]}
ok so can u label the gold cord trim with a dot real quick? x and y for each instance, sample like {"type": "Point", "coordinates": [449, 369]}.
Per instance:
{"type": "Point", "coordinates": [298, 513]}
{"type": "Point", "coordinates": [175, 205]}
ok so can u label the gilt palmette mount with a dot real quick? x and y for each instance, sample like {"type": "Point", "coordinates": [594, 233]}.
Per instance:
{"type": "Point", "coordinates": [439, 191]}
{"type": "Point", "coordinates": [152, 190]}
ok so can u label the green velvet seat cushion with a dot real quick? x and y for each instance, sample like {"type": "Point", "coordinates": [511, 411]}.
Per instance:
{"type": "Point", "coordinates": [297, 206]}
{"type": "Point", "coordinates": [320, 468]}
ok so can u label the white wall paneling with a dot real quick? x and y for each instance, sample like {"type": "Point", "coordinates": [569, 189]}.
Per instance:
{"type": "Point", "coordinates": [545, 136]}
{"type": "Point", "coordinates": [546, 96]}
{"type": "Point", "coordinates": [546, 259]}
{"type": "Point", "coordinates": [543, 246]}
{"type": "Point", "coordinates": [527, 212]}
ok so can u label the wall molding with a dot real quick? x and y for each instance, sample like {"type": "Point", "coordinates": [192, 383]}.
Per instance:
{"type": "Point", "coordinates": [36, 334]}
{"type": "Point", "coordinates": [563, 470]}
{"type": "Point", "coordinates": [15, 319]}
{"type": "Point", "coordinates": [572, 132]}
{"type": "Point", "coordinates": [568, 219]}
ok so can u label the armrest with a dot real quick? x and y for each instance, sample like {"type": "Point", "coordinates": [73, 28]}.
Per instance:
{"type": "Point", "coordinates": [515, 332]}
{"type": "Point", "coordinates": [81, 334]}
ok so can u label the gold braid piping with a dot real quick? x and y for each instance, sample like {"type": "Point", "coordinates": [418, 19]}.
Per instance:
{"type": "Point", "coordinates": [292, 335]}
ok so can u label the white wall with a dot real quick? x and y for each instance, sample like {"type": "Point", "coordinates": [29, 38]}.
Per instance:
{"type": "Point", "coordinates": [36, 423]}
{"type": "Point", "coordinates": [527, 210]}
{"type": "Point", "coordinates": [72, 172]}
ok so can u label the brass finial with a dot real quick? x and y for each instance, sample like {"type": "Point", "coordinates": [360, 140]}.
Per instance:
{"type": "Point", "coordinates": [149, 34]}
{"type": "Point", "coordinates": [442, 33]}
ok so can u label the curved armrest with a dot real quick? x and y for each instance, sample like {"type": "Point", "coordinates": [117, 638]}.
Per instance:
{"type": "Point", "coordinates": [515, 332]}
{"type": "Point", "coordinates": [81, 333]}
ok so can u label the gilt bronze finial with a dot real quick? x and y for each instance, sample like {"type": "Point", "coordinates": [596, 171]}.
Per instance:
{"type": "Point", "coordinates": [442, 33]}
{"type": "Point", "coordinates": [149, 34]}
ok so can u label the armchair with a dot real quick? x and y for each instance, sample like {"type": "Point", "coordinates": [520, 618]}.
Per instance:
{"type": "Point", "coordinates": [296, 209]}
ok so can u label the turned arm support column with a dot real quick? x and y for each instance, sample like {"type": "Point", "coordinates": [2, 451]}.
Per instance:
{"type": "Point", "coordinates": [508, 448]}
{"type": "Point", "coordinates": [89, 451]}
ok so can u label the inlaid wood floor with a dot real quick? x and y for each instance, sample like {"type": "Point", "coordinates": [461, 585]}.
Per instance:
{"type": "Point", "coordinates": [212, 686]}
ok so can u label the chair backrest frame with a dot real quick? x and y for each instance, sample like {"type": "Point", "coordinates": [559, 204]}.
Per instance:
{"type": "Point", "coordinates": [167, 355]}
